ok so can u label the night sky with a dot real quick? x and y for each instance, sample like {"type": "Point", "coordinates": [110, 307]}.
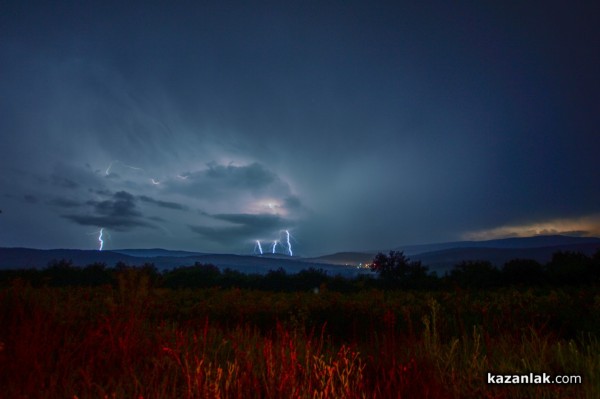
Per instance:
{"type": "Point", "coordinates": [355, 125]}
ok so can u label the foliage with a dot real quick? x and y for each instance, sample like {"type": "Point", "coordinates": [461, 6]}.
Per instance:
{"type": "Point", "coordinates": [522, 271]}
{"type": "Point", "coordinates": [198, 275]}
{"type": "Point", "coordinates": [136, 340]}
{"type": "Point", "coordinates": [570, 267]}
{"type": "Point", "coordinates": [480, 274]}
{"type": "Point", "coordinates": [198, 331]}
{"type": "Point", "coordinates": [397, 270]}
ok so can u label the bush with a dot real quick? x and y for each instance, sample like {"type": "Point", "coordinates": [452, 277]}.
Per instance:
{"type": "Point", "coordinates": [397, 270]}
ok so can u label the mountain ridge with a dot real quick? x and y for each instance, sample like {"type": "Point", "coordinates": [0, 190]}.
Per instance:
{"type": "Point", "coordinates": [439, 257]}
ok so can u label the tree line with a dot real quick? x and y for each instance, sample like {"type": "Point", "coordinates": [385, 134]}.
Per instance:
{"type": "Point", "coordinates": [392, 271]}
{"type": "Point", "coordinates": [565, 268]}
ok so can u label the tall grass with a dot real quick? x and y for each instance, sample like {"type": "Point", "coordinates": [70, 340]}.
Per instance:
{"type": "Point", "coordinates": [137, 342]}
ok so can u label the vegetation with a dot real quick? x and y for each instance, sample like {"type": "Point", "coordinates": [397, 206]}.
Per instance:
{"type": "Point", "coordinates": [394, 271]}
{"type": "Point", "coordinates": [197, 332]}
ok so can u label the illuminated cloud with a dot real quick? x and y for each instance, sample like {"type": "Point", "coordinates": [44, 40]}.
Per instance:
{"type": "Point", "coordinates": [581, 226]}
{"type": "Point", "coordinates": [240, 229]}
{"type": "Point", "coordinates": [218, 179]}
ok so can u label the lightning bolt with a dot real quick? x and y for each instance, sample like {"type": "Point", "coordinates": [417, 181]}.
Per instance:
{"type": "Point", "coordinates": [289, 244]}
{"type": "Point", "coordinates": [100, 240]}
{"type": "Point", "coordinates": [258, 246]}
{"type": "Point", "coordinates": [131, 167]}
{"type": "Point", "coordinates": [275, 245]}
{"type": "Point", "coordinates": [152, 180]}
{"type": "Point", "coordinates": [107, 172]}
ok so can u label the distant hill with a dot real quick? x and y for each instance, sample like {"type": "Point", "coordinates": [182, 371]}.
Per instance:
{"type": "Point", "coordinates": [156, 252]}
{"type": "Point", "coordinates": [22, 258]}
{"type": "Point", "coordinates": [344, 258]}
{"type": "Point", "coordinates": [438, 257]}
{"type": "Point", "coordinates": [444, 260]}
{"type": "Point", "coordinates": [442, 257]}
{"type": "Point", "coordinates": [508, 243]}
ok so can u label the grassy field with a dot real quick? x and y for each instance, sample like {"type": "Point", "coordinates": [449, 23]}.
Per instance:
{"type": "Point", "coordinates": [135, 341]}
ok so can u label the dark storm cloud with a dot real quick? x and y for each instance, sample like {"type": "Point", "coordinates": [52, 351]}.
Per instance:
{"type": "Point", "coordinates": [122, 205]}
{"type": "Point", "coordinates": [243, 228]}
{"type": "Point", "coordinates": [64, 203]}
{"type": "Point", "coordinates": [368, 125]}
{"type": "Point", "coordinates": [218, 180]}
{"type": "Point", "coordinates": [293, 203]}
{"type": "Point", "coordinates": [31, 199]}
{"type": "Point", "coordinates": [63, 182]}
{"type": "Point", "coordinates": [119, 213]}
{"type": "Point", "coordinates": [103, 193]}
{"type": "Point", "coordinates": [163, 204]}
{"type": "Point", "coordinates": [113, 222]}
{"type": "Point", "coordinates": [73, 176]}
{"type": "Point", "coordinates": [224, 236]}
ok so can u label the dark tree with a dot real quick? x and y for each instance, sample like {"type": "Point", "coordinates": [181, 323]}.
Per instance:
{"type": "Point", "coordinates": [476, 274]}
{"type": "Point", "coordinates": [276, 280]}
{"type": "Point", "coordinates": [594, 270]}
{"type": "Point", "coordinates": [308, 279]}
{"type": "Point", "coordinates": [197, 276]}
{"type": "Point", "coordinates": [569, 268]}
{"type": "Point", "coordinates": [62, 273]}
{"type": "Point", "coordinates": [150, 270]}
{"type": "Point", "coordinates": [523, 271]}
{"type": "Point", "coordinates": [96, 274]}
{"type": "Point", "coordinates": [397, 270]}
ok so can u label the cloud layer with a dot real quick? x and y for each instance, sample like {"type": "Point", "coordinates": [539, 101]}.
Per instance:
{"type": "Point", "coordinates": [358, 127]}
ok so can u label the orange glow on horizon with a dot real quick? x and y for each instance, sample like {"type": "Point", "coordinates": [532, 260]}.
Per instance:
{"type": "Point", "coordinates": [586, 226]}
